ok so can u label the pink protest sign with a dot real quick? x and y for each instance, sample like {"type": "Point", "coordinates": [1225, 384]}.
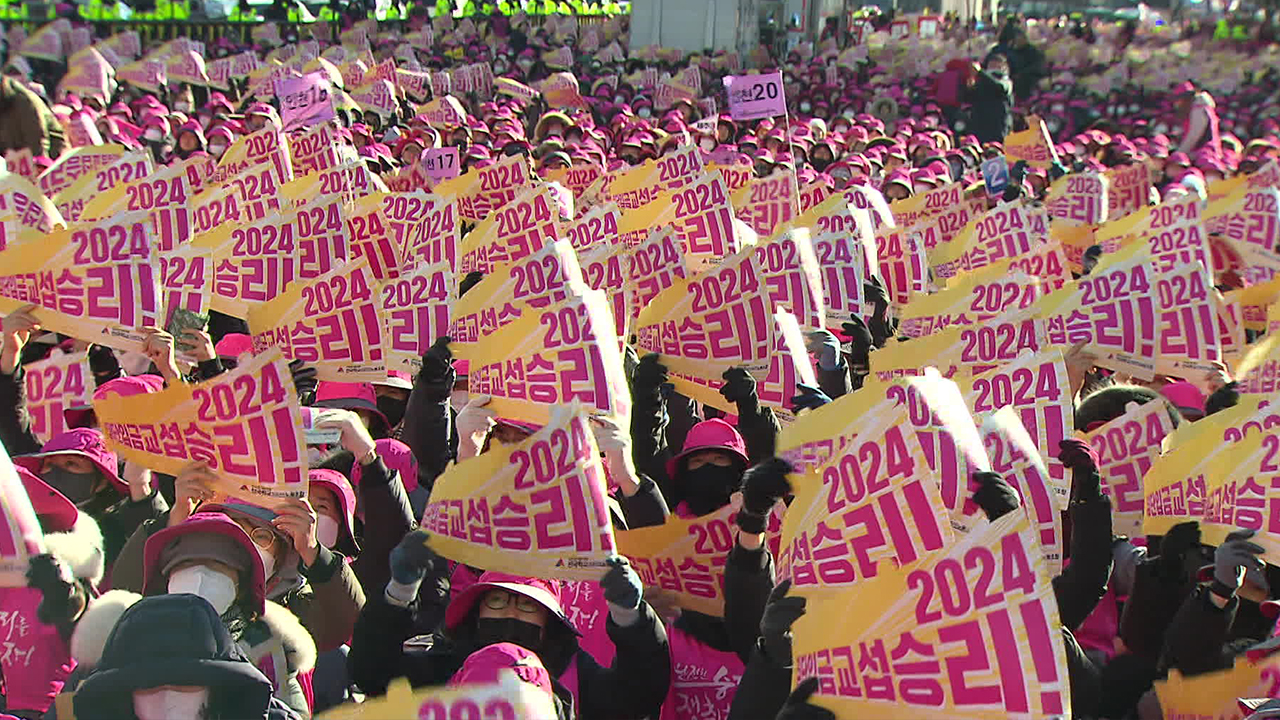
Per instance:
{"type": "Point", "coordinates": [305, 101]}
{"type": "Point", "coordinates": [20, 538]}
{"type": "Point", "coordinates": [441, 163]}
{"type": "Point", "coordinates": [752, 97]}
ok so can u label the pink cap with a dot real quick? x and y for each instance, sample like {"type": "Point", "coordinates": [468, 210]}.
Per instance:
{"type": "Point", "coordinates": [233, 345]}
{"type": "Point", "coordinates": [129, 385]}
{"type": "Point", "coordinates": [714, 434]}
{"type": "Point", "coordinates": [81, 442]}
{"type": "Point", "coordinates": [486, 665]}
{"type": "Point", "coordinates": [397, 456]}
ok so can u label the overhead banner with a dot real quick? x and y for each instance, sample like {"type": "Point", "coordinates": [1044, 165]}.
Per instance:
{"type": "Point", "coordinates": [972, 630]}
{"type": "Point", "coordinates": [536, 509]}
{"type": "Point", "coordinates": [332, 322]}
{"type": "Point", "coordinates": [245, 424]}
{"type": "Point", "coordinates": [54, 385]}
{"type": "Point", "coordinates": [684, 557]}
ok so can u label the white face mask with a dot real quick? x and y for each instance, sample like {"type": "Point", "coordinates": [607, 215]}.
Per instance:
{"type": "Point", "coordinates": [458, 399]}
{"type": "Point", "coordinates": [169, 703]}
{"type": "Point", "coordinates": [182, 106]}
{"type": "Point", "coordinates": [644, 112]}
{"type": "Point", "coordinates": [215, 587]}
{"type": "Point", "coordinates": [708, 145]}
{"type": "Point", "coordinates": [268, 562]}
{"type": "Point", "coordinates": [327, 530]}
{"type": "Point", "coordinates": [217, 150]}
{"type": "Point", "coordinates": [805, 107]}
{"type": "Point", "coordinates": [133, 363]}
{"type": "Point", "coordinates": [152, 134]}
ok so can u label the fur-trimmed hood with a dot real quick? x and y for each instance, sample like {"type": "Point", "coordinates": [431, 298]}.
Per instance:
{"type": "Point", "coordinates": [279, 627]}
{"type": "Point", "coordinates": [80, 549]}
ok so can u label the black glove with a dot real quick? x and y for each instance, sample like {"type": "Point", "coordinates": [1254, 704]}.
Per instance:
{"type": "Point", "coordinates": [780, 613]}
{"type": "Point", "coordinates": [104, 364]}
{"type": "Point", "coordinates": [411, 559]}
{"type": "Point", "coordinates": [995, 496]}
{"type": "Point", "coordinates": [472, 279]}
{"type": "Point", "coordinates": [873, 290]}
{"type": "Point", "coordinates": [763, 485]}
{"type": "Point", "coordinates": [304, 381]}
{"type": "Point", "coordinates": [61, 598]}
{"type": "Point", "coordinates": [1083, 461]}
{"type": "Point", "coordinates": [650, 376]}
{"type": "Point", "coordinates": [436, 376]}
{"type": "Point", "coordinates": [860, 343]}
{"type": "Point", "coordinates": [798, 706]}
{"type": "Point", "coordinates": [1236, 553]}
{"type": "Point", "coordinates": [809, 398]}
{"type": "Point", "coordinates": [621, 584]}
{"type": "Point", "coordinates": [740, 389]}
{"type": "Point", "coordinates": [1175, 548]}
{"type": "Point", "coordinates": [1227, 396]}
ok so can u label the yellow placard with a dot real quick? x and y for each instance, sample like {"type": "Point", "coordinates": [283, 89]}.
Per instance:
{"type": "Point", "coordinates": [604, 268]}
{"type": "Point", "coordinates": [96, 283]}
{"type": "Point", "coordinates": [548, 276]}
{"type": "Point", "coordinates": [510, 698]}
{"type": "Point", "coordinates": [246, 424]}
{"type": "Point", "coordinates": [1004, 232]}
{"type": "Point", "coordinates": [704, 325]}
{"type": "Point", "coordinates": [1032, 145]}
{"type": "Point", "coordinates": [332, 322]}
{"type": "Point", "coordinates": [1217, 472]}
{"type": "Point", "coordinates": [767, 204]}
{"type": "Point", "coordinates": [1216, 695]}
{"type": "Point", "coordinates": [865, 499]}
{"type": "Point", "coordinates": [480, 191]}
{"type": "Point", "coordinates": [58, 383]}
{"type": "Point", "coordinates": [519, 228]}
{"type": "Point", "coordinates": [654, 265]}
{"type": "Point", "coordinates": [973, 299]}
{"type": "Point", "coordinates": [1257, 370]}
{"type": "Point", "coordinates": [701, 215]}
{"type": "Point", "coordinates": [536, 509]}
{"type": "Point", "coordinates": [1255, 301]}
{"type": "Point", "coordinates": [1079, 199]}
{"type": "Point", "coordinates": [1014, 455]}
{"type": "Point", "coordinates": [427, 226]}
{"type": "Point", "coordinates": [684, 557]}
{"type": "Point", "coordinates": [598, 226]}
{"type": "Point", "coordinates": [77, 163]}
{"type": "Point", "coordinates": [978, 615]}
{"type": "Point", "coordinates": [928, 204]}
{"type": "Point", "coordinates": [373, 238]}
{"type": "Point", "coordinates": [904, 265]}
{"type": "Point", "coordinates": [314, 150]}
{"type": "Point", "coordinates": [23, 208]}
{"type": "Point", "coordinates": [1127, 447]}
{"type": "Point", "coordinates": [416, 310]}
{"type": "Point", "coordinates": [126, 168]}
{"type": "Point", "coordinates": [552, 356]}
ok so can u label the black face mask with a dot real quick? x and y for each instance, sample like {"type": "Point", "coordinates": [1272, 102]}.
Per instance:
{"type": "Point", "coordinates": [820, 164]}
{"type": "Point", "coordinates": [708, 488]}
{"type": "Point", "coordinates": [490, 631]}
{"type": "Point", "coordinates": [78, 487]}
{"type": "Point", "coordinates": [393, 408]}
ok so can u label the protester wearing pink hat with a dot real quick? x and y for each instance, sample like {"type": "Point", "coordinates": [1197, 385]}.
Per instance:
{"type": "Point", "coordinates": [491, 663]}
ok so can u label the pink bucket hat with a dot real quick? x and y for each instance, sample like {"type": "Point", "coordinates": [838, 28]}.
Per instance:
{"type": "Point", "coordinates": [714, 434]}
{"type": "Point", "coordinates": [486, 665]}
{"type": "Point", "coordinates": [129, 386]}
{"type": "Point", "coordinates": [214, 523]}
{"type": "Point", "coordinates": [544, 592]}
{"type": "Point", "coordinates": [55, 512]}
{"type": "Point", "coordinates": [349, 396]}
{"type": "Point", "coordinates": [82, 442]}
{"type": "Point", "coordinates": [336, 483]}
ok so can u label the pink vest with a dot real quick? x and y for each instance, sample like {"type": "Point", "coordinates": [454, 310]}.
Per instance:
{"type": "Point", "coordinates": [34, 658]}
{"type": "Point", "coordinates": [1099, 630]}
{"type": "Point", "coordinates": [703, 680]}
{"type": "Point", "coordinates": [588, 612]}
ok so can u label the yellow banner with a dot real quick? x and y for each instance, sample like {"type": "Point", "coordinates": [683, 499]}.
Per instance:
{"type": "Point", "coordinates": [962, 351]}
{"type": "Point", "coordinates": [598, 226]}
{"type": "Point", "coordinates": [482, 190]}
{"type": "Point", "coordinates": [58, 383]}
{"type": "Point", "coordinates": [1257, 370]}
{"type": "Point", "coordinates": [416, 310]}
{"type": "Point", "coordinates": [536, 509]}
{"type": "Point", "coordinates": [186, 280]}
{"type": "Point", "coordinates": [604, 268]}
{"type": "Point", "coordinates": [552, 356]}
{"type": "Point", "coordinates": [1033, 145]}
{"type": "Point", "coordinates": [77, 163]}
{"type": "Point", "coordinates": [904, 265]}
{"type": "Point", "coordinates": [332, 323]}
{"type": "Point", "coordinates": [165, 195]}
{"type": "Point", "coordinates": [246, 424]}
{"type": "Point", "coordinates": [95, 283]}
{"type": "Point", "coordinates": [126, 168]}
{"type": "Point", "coordinates": [427, 227]}
{"type": "Point", "coordinates": [972, 631]}
{"type": "Point", "coordinates": [973, 299]}
{"type": "Point", "coordinates": [1003, 233]}
{"type": "Point", "coordinates": [521, 227]}
{"type": "Point", "coordinates": [701, 215]}
{"type": "Point", "coordinates": [653, 266]}
{"type": "Point", "coordinates": [684, 557]}
{"type": "Point", "coordinates": [766, 204]}
{"type": "Point", "coordinates": [24, 208]}
{"type": "Point", "coordinates": [1216, 472]}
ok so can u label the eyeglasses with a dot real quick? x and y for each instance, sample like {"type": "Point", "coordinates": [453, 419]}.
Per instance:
{"type": "Point", "coordinates": [500, 599]}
